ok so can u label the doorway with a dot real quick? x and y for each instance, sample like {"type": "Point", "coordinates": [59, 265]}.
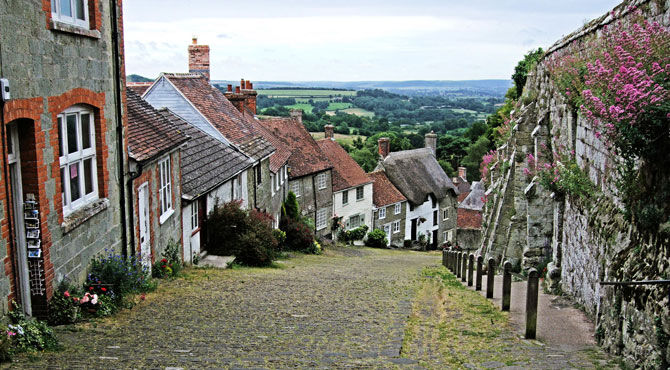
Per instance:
{"type": "Point", "coordinates": [21, 250]}
{"type": "Point", "coordinates": [143, 215]}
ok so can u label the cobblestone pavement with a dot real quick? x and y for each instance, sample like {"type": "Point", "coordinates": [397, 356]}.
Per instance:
{"type": "Point", "coordinates": [352, 308]}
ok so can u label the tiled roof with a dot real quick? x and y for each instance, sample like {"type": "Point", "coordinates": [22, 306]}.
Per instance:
{"type": "Point", "coordinates": [139, 87]}
{"type": "Point", "coordinates": [205, 162]}
{"type": "Point", "coordinates": [240, 129]}
{"type": "Point", "coordinates": [149, 133]}
{"type": "Point", "coordinates": [383, 191]}
{"type": "Point", "coordinates": [416, 173]}
{"type": "Point", "coordinates": [346, 172]}
{"type": "Point", "coordinates": [282, 152]}
{"type": "Point", "coordinates": [469, 219]}
{"type": "Point", "coordinates": [306, 156]}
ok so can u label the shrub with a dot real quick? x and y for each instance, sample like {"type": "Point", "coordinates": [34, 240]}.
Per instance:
{"type": "Point", "coordinates": [354, 234]}
{"type": "Point", "coordinates": [118, 277]}
{"type": "Point", "coordinates": [377, 239]}
{"type": "Point", "coordinates": [63, 307]}
{"type": "Point", "coordinates": [225, 223]}
{"type": "Point", "coordinates": [29, 335]}
{"type": "Point", "coordinates": [170, 264]}
{"type": "Point", "coordinates": [291, 206]}
{"type": "Point", "coordinates": [298, 236]}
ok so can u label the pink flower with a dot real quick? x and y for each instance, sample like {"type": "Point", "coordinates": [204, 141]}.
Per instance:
{"type": "Point", "coordinates": [66, 294]}
{"type": "Point", "coordinates": [10, 333]}
{"type": "Point", "coordinates": [95, 299]}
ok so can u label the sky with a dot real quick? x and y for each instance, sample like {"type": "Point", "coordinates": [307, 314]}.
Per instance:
{"type": "Point", "coordinates": [348, 40]}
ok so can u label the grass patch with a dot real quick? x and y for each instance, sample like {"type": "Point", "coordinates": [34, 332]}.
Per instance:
{"type": "Point", "coordinates": [340, 138]}
{"type": "Point", "coordinates": [306, 107]}
{"type": "Point", "coordinates": [359, 112]}
{"type": "Point", "coordinates": [306, 93]}
{"type": "Point", "coordinates": [458, 323]}
{"type": "Point", "coordinates": [338, 106]}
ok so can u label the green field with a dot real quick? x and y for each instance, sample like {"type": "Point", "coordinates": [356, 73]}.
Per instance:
{"type": "Point", "coordinates": [461, 111]}
{"type": "Point", "coordinates": [359, 112]}
{"type": "Point", "coordinates": [340, 138]}
{"type": "Point", "coordinates": [306, 93]}
{"type": "Point", "coordinates": [306, 107]}
{"type": "Point", "coordinates": [338, 106]}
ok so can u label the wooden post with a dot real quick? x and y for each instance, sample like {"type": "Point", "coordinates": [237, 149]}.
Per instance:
{"type": "Point", "coordinates": [471, 263]}
{"type": "Point", "coordinates": [490, 276]}
{"type": "Point", "coordinates": [464, 267]}
{"type": "Point", "coordinates": [451, 261]}
{"type": "Point", "coordinates": [444, 258]}
{"type": "Point", "coordinates": [478, 280]}
{"type": "Point", "coordinates": [531, 303]}
{"type": "Point", "coordinates": [507, 286]}
{"type": "Point", "coordinates": [458, 265]}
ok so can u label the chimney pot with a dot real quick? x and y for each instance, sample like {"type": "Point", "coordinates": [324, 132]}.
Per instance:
{"type": "Point", "coordinates": [248, 85]}
{"type": "Point", "coordinates": [328, 131]}
{"type": "Point", "coordinates": [384, 144]}
{"type": "Point", "coordinates": [251, 86]}
{"type": "Point", "coordinates": [296, 114]}
{"type": "Point", "coordinates": [195, 40]}
{"type": "Point", "coordinates": [431, 141]}
{"type": "Point", "coordinates": [198, 59]}
{"type": "Point", "coordinates": [230, 88]}
{"type": "Point", "coordinates": [242, 85]}
{"type": "Point", "coordinates": [237, 89]}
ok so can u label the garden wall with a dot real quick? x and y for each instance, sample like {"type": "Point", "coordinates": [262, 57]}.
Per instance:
{"type": "Point", "coordinates": [587, 241]}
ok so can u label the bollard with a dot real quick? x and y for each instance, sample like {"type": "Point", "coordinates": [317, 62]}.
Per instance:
{"type": "Point", "coordinates": [458, 265]}
{"type": "Point", "coordinates": [471, 263]}
{"type": "Point", "coordinates": [531, 304]}
{"type": "Point", "coordinates": [451, 261]}
{"type": "Point", "coordinates": [490, 276]}
{"type": "Point", "coordinates": [478, 281]}
{"type": "Point", "coordinates": [507, 286]}
{"type": "Point", "coordinates": [464, 267]}
{"type": "Point", "coordinates": [444, 258]}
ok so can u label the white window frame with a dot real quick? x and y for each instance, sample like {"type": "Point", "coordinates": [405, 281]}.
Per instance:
{"type": "Point", "coordinates": [362, 189]}
{"type": "Point", "coordinates": [445, 214]}
{"type": "Point", "coordinates": [165, 189]}
{"type": "Point", "coordinates": [345, 197]}
{"type": "Point", "coordinates": [74, 162]}
{"type": "Point", "coordinates": [321, 181]}
{"type": "Point", "coordinates": [382, 213]}
{"type": "Point", "coordinates": [397, 208]}
{"type": "Point", "coordinates": [272, 183]}
{"type": "Point", "coordinates": [360, 218]}
{"type": "Point", "coordinates": [194, 216]}
{"type": "Point", "coordinates": [295, 188]}
{"type": "Point", "coordinates": [396, 226]}
{"type": "Point", "coordinates": [321, 218]}
{"type": "Point", "coordinates": [73, 20]}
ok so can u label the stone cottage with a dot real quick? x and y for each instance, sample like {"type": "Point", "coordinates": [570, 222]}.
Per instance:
{"type": "Point", "coordinates": [352, 187]}
{"type": "Point", "coordinates": [63, 200]}
{"type": "Point", "coordinates": [431, 195]}
{"type": "Point", "coordinates": [155, 171]}
{"type": "Point", "coordinates": [309, 170]}
{"type": "Point", "coordinates": [390, 208]}
{"type": "Point", "coordinates": [469, 234]}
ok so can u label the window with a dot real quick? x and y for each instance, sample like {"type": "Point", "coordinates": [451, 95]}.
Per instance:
{"type": "Point", "coordinates": [433, 202]}
{"type": "Point", "coordinates": [74, 12]}
{"type": "Point", "coordinates": [411, 207]}
{"type": "Point", "coordinates": [165, 189]}
{"type": "Point", "coordinates": [321, 181]}
{"type": "Point", "coordinates": [396, 226]}
{"type": "Point", "coordinates": [435, 214]}
{"type": "Point", "coordinates": [78, 170]}
{"type": "Point", "coordinates": [359, 193]}
{"type": "Point", "coordinates": [295, 188]}
{"type": "Point", "coordinates": [237, 187]}
{"type": "Point", "coordinates": [194, 215]}
{"type": "Point", "coordinates": [272, 185]}
{"type": "Point", "coordinates": [382, 213]}
{"type": "Point", "coordinates": [397, 209]}
{"type": "Point", "coordinates": [356, 221]}
{"type": "Point", "coordinates": [445, 214]}
{"type": "Point", "coordinates": [277, 184]}
{"type": "Point", "coordinates": [446, 236]}
{"type": "Point", "coordinates": [345, 197]}
{"type": "Point", "coordinates": [259, 174]}
{"type": "Point", "coordinates": [387, 229]}
{"type": "Point", "coordinates": [321, 218]}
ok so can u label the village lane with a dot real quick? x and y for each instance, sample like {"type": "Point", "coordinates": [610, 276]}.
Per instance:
{"type": "Point", "coordinates": [347, 308]}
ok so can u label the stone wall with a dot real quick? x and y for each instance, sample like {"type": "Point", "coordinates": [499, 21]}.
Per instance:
{"type": "Point", "coordinates": [588, 242]}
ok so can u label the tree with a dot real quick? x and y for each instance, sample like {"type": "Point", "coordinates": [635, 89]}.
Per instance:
{"type": "Point", "coordinates": [291, 206]}
{"type": "Point", "coordinates": [475, 152]}
{"type": "Point", "coordinates": [523, 67]}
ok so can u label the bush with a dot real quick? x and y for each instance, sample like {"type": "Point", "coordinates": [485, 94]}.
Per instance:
{"type": "Point", "coordinates": [354, 234]}
{"type": "Point", "coordinates": [247, 235]}
{"type": "Point", "coordinates": [63, 308]}
{"type": "Point", "coordinates": [118, 277]}
{"type": "Point", "coordinates": [298, 236]}
{"type": "Point", "coordinates": [28, 335]}
{"type": "Point", "coordinates": [170, 264]}
{"type": "Point", "coordinates": [377, 239]}
{"type": "Point", "coordinates": [291, 206]}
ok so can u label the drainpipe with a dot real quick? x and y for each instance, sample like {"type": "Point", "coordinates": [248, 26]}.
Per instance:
{"type": "Point", "coordinates": [316, 207]}
{"type": "Point", "coordinates": [116, 54]}
{"type": "Point", "coordinates": [256, 184]}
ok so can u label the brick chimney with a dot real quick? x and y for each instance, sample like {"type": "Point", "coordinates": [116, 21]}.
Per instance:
{"type": "Point", "coordinates": [462, 172]}
{"type": "Point", "coordinates": [236, 98]}
{"type": "Point", "coordinates": [296, 114]}
{"type": "Point", "coordinates": [384, 144]}
{"type": "Point", "coordinates": [328, 130]}
{"type": "Point", "coordinates": [198, 59]}
{"type": "Point", "coordinates": [431, 141]}
{"type": "Point", "coordinates": [249, 96]}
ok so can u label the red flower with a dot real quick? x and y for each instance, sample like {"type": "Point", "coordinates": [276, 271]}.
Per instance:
{"type": "Point", "coordinates": [90, 288]}
{"type": "Point", "coordinates": [103, 289]}
{"type": "Point", "coordinates": [164, 260]}
{"type": "Point", "coordinates": [163, 266]}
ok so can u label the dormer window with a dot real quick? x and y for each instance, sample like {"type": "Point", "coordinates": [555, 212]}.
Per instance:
{"type": "Point", "coordinates": [74, 12]}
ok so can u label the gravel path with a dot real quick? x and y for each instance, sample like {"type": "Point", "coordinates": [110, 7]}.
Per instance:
{"type": "Point", "coordinates": [345, 309]}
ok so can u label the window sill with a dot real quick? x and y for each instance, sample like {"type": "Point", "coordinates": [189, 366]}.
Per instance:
{"type": "Point", "coordinates": [71, 28]}
{"type": "Point", "coordinates": [197, 230]}
{"type": "Point", "coordinates": [360, 200]}
{"type": "Point", "coordinates": [164, 217]}
{"type": "Point", "coordinates": [78, 217]}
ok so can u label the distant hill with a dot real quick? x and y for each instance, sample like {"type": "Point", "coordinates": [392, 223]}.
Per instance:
{"type": "Point", "coordinates": [137, 78]}
{"type": "Point", "coordinates": [466, 88]}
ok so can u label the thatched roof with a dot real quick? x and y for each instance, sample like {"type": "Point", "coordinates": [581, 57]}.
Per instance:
{"type": "Point", "coordinates": [417, 174]}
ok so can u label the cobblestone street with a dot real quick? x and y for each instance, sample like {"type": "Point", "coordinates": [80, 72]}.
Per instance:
{"type": "Point", "coordinates": [349, 308]}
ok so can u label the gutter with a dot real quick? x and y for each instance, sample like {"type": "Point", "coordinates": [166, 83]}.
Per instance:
{"type": "Point", "coordinates": [116, 54]}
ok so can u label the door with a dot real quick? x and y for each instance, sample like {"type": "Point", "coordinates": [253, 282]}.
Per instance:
{"type": "Point", "coordinates": [145, 236]}
{"type": "Point", "coordinates": [387, 230]}
{"type": "Point", "coordinates": [413, 234]}
{"type": "Point", "coordinates": [434, 239]}
{"type": "Point", "coordinates": [14, 160]}
{"type": "Point", "coordinates": [195, 229]}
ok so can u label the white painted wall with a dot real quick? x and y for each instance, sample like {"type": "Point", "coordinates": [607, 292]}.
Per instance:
{"type": "Point", "coordinates": [425, 210]}
{"type": "Point", "coordinates": [354, 207]}
{"type": "Point", "coordinates": [224, 192]}
{"type": "Point", "coordinates": [191, 242]}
